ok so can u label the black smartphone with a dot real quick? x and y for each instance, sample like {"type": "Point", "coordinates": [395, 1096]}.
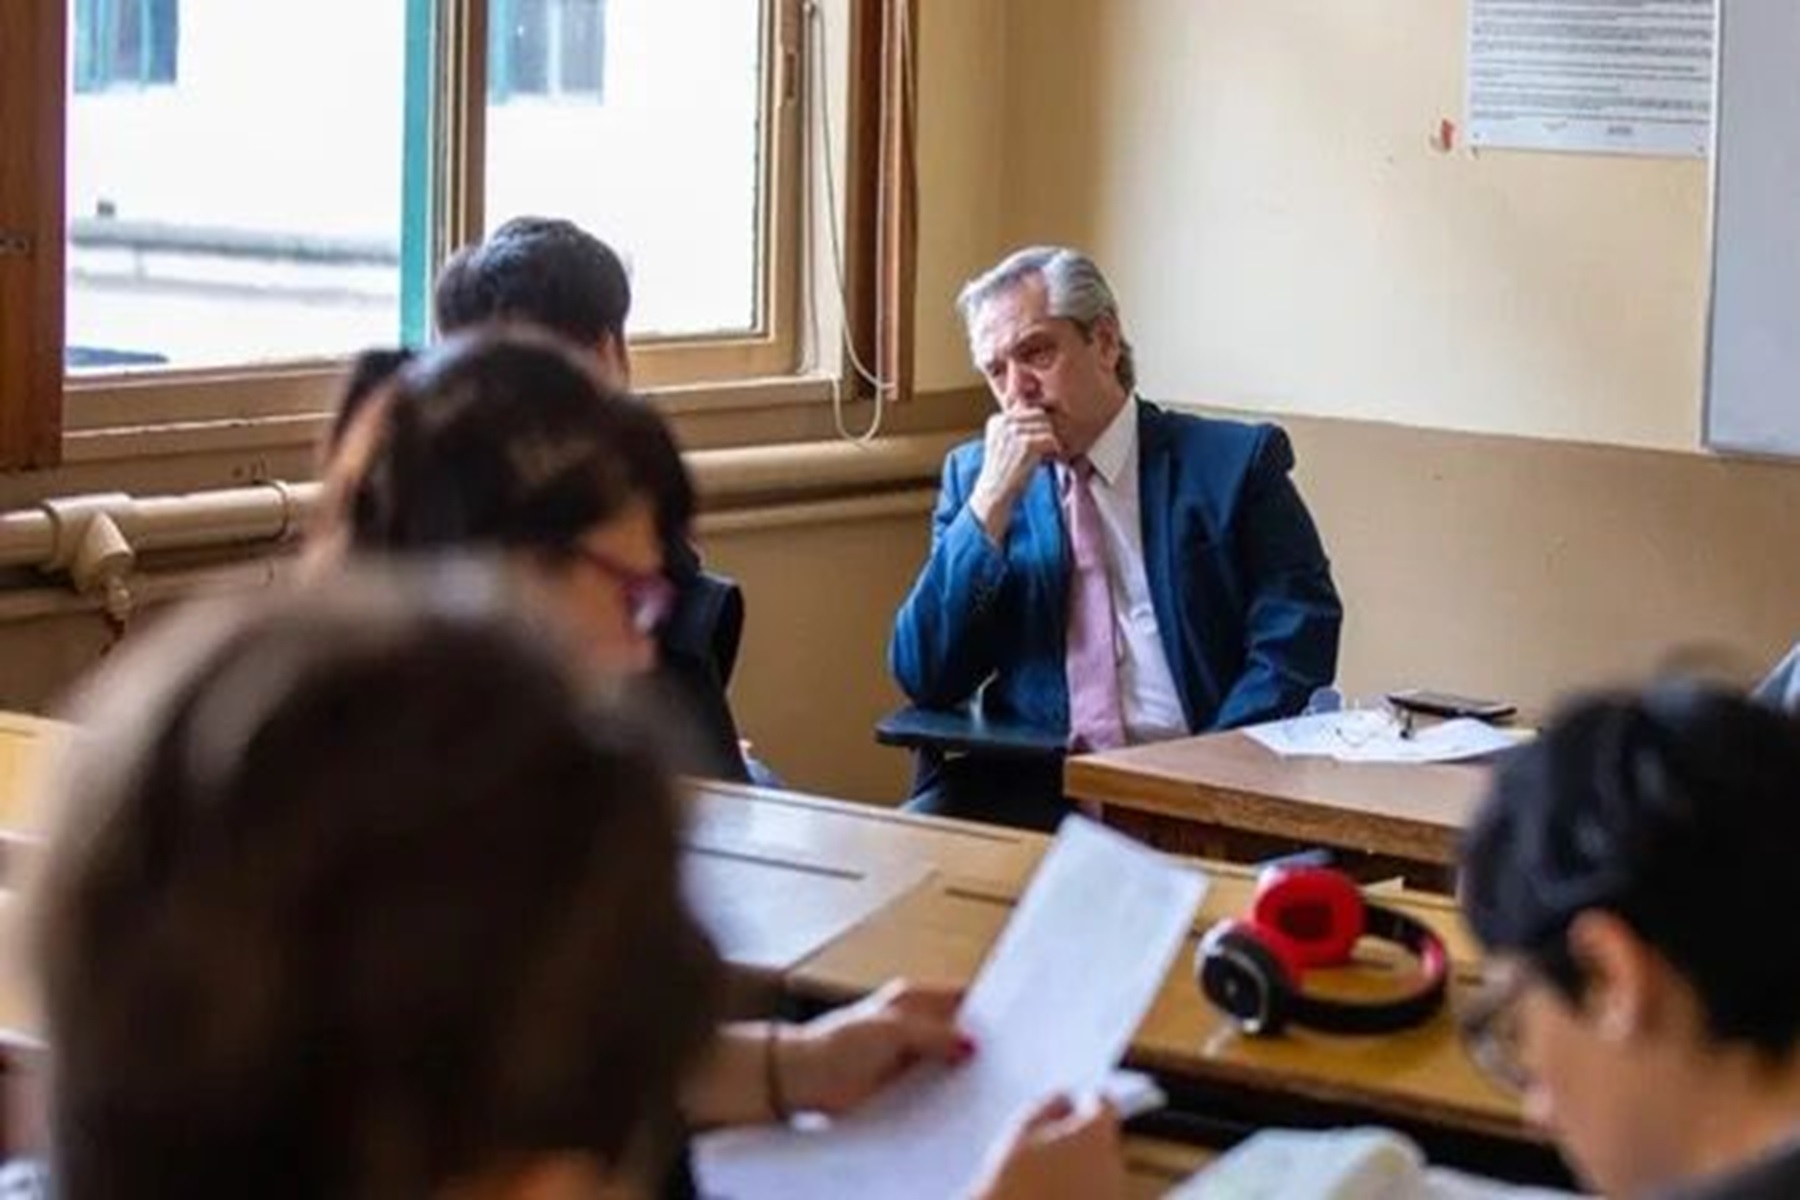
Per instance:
{"type": "Point", "coordinates": [1448, 704]}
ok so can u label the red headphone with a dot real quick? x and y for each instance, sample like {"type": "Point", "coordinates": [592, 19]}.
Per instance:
{"type": "Point", "coordinates": [1306, 917]}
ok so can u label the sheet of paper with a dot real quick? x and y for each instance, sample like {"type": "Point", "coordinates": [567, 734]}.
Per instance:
{"type": "Point", "coordinates": [1371, 735]}
{"type": "Point", "coordinates": [1052, 1010]}
{"type": "Point", "coordinates": [1610, 76]}
{"type": "Point", "coordinates": [1322, 734]}
{"type": "Point", "coordinates": [770, 913]}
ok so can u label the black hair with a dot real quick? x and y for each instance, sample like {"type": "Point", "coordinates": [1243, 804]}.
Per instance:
{"type": "Point", "coordinates": [544, 270]}
{"type": "Point", "coordinates": [1678, 810]}
{"type": "Point", "coordinates": [502, 439]}
{"type": "Point", "coordinates": [369, 372]}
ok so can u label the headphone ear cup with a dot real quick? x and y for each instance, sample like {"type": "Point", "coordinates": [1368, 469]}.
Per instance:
{"type": "Point", "coordinates": [1318, 911]}
{"type": "Point", "coordinates": [1248, 973]}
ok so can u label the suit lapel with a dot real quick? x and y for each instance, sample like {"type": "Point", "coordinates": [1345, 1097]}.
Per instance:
{"type": "Point", "coordinates": [1156, 506]}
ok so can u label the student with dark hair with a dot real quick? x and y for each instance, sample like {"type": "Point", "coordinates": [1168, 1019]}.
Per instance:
{"type": "Point", "coordinates": [320, 919]}
{"type": "Point", "coordinates": [505, 439]}
{"type": "Point", "coordinates": [548, 272]}
{"type": "Point", "coordinates": [369, 373]}
{"type": "Point", "coordinates": [1632, 875]}
{"type": "Point", "coordinates": [552, 273]}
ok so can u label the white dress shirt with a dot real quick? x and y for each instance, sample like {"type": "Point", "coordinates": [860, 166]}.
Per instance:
{"type": "Point", "coordinates": [1146, 685]}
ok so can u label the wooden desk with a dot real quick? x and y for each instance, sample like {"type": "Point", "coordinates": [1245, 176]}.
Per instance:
{"type": "Point", "coordinates": [19, 1026]}
{"type": "Point", "coordinates": [1223, 1085]}
{"type": "Point", "coordinates": [941, 934]}
{"type": "Point", "coordinates": [839, 833]}
{"type": "Point", "coordinates": [26, 745]}
{"type": "Point", "coordinates": [776, 875]}
{"type": "Point", "coordinates": [1191, 795]}
{"type": "Point", "coordinates": [784, 868]}
{"type": "Point", "coordinates": [814, 832]}
{"type": "Point", "coordinates": [942, 930]}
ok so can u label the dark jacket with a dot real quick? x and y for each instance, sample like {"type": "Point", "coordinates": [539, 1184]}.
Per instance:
{"type": "Point", "coordinates": [697, 649]}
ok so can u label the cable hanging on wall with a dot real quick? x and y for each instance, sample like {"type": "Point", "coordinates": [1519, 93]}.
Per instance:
{"type": "Point", "coordinates": [819, 120]}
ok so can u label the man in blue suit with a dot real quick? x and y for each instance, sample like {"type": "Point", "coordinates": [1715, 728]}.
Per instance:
{"type": "Point", "coordinates": [1101, 568]}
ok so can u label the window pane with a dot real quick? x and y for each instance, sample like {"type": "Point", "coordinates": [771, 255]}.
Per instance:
{"type": "Point", "coordinates": [251, 210]}
{"type": "Point", "coordinates": [529, 46]}
{"type": "Point", "coordinates": [666, 170]}
{"type": "Point", "coordinates": [165, 34]}
{"type": "Point", "coordinates": [583, 47]}
{"type": "Point", "coordinates": [128, 40]}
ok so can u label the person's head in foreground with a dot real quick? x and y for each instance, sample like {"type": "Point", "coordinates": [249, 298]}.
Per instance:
{"type": "Point", "coordinates": [1633, 878]}
{"type": "Point", "coordinates": [549, 272]}
{"type": "Point", "coordinates": [1044, 331]}
{"type": "Point", "coordinates": [504, 440]}
{"type": "Point", "coordinates": [321, 919]}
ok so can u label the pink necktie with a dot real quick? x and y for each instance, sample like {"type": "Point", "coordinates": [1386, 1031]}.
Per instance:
{"type": "Point", "coordinates": [1096, 716]}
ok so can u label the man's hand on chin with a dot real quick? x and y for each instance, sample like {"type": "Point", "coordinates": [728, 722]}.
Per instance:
{"type": "Point", "coordinates": [1017, 441]}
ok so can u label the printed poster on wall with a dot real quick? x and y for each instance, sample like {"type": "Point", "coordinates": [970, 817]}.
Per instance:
{"type": "Point", "coordinates": [1606, 76]}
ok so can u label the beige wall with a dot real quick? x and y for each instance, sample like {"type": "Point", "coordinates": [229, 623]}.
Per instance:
{"type": "Point", "coordinates": [1258, 178]}
{"type": "Point", "coordinates": [821, 591]}
{"type": "Point", "coordinates": [1521, 568]}
{"type": "Point", "coordinates": [963, 71]}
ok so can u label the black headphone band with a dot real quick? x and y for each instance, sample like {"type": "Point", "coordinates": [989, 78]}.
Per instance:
{"type": "Point", "coordinates": [1383, 1016]}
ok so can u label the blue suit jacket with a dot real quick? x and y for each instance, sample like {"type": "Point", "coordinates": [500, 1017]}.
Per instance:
{"type": "Point", "coordinates": [1239, 581]}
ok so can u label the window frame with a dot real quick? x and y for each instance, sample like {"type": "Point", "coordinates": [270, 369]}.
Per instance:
{"type": "Point", "coordinates": [31, 233]}
{"type": "Point", "coordinates": [555, 90]}
{"type": "Point", "coordinates": [41, 407]}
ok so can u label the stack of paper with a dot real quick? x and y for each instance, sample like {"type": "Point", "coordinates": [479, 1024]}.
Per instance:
{"type": "Point", "coordinates": [1052, 1011]}
{"type": "Point", "coordinates": [1368, 735]}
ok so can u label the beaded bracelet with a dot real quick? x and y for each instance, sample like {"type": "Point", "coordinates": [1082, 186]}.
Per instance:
{"type": "Point", "coordinates": [778, 1105]}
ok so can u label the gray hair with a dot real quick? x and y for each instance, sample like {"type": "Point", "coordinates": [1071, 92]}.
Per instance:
{"type": "Point", "coordinates": [1075, 290]}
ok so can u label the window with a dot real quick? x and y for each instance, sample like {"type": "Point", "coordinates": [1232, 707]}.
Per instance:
{"type": "Point", "coordinates": [125, 43]}
{"type": "Point", "coordinates": [226, 199]}
{"type": "Point", "coordinates": [216, 222]}
{"type": "Point", "coordinates": [552, 48]}
{"type": "Point", "coordinates": [674, 162]}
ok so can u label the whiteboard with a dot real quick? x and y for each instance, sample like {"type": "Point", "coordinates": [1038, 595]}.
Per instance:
{"type": "Point", "coordinates": [1753, 335]}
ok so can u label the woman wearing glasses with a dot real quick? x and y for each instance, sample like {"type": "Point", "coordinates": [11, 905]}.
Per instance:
{"type": "Point", "coordinates": [608, 546]}
{"type": "Point", "coordinates": [1633, 876]}
{"type": "Point", "coordinates": [505, 442]}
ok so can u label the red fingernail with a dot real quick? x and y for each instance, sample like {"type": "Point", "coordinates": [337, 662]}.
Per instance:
{"type": "Point", "coordinates": [965, 1049]}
